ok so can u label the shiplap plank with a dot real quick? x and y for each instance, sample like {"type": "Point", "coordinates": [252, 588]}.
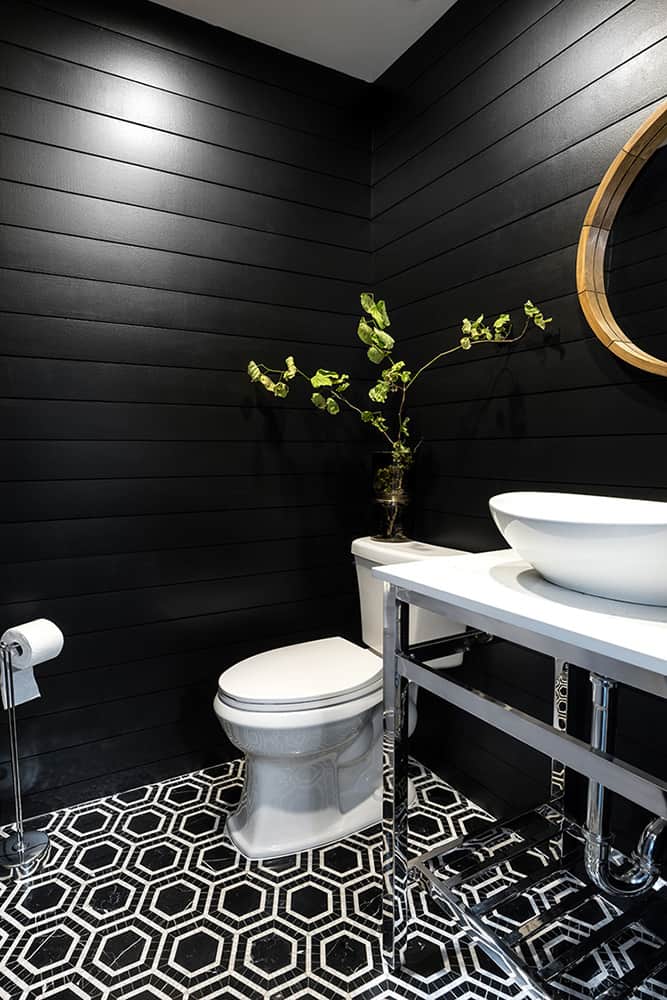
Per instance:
{"type": "Point", "coordinates": [630, 86]}
{"type": "Point", "coordinates": [551, 88]}
{"type": "Point", "coordinates": [79, 257]}
{"type": "Point", "coordinates": [123, 609]}
{"type": "Point", "coordinates": [407, 82]}
{"type": "Point", "coordinates": [30, 161]}
{"type": "Point", "coordinates": [33, 338]}
{"type": "Point", "coordinates": [79, 459]}
{"type": "Point", "coordinates": [93, 650]}
{"type": "Point", "coordinates": [27, 206]}
{"type": "Point", "coordinates": [104, 301]}
{"type": "Point", "coordinates": [465, 212]}
{"type": "Point", "coordinates": [119, 96]}
{"type": "Point", "coordinates": [122, 139]}
{"type": "Point", "coordinates": [41, 541]}
{"type": "Point", "coordinates": [518, 36]}
{"type": "Point", "coordinates": [61, 577]}
{"type": "Point", "coordinates": [543, 232]}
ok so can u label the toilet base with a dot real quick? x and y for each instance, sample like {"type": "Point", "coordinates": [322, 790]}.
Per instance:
{"type": "Point", "coordinates": [294, 839]}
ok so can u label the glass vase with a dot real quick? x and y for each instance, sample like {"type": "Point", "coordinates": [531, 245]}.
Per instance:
{"type": "Point", "coordinates": [392, 491]}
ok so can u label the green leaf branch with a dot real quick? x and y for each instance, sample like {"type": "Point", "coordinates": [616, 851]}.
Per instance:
{"type": "Point", "coordinates": [390, 391]}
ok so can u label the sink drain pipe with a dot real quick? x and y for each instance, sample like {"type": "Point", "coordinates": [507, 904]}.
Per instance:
{"type": "Point", "coordinates": [638, 874]}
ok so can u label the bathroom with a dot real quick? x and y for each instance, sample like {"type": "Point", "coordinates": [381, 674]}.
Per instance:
{"type": "Point", "coordinates": [187, 186]}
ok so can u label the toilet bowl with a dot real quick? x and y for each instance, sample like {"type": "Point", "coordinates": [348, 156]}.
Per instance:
{"type": "Point", "coordinates": [308, 719]}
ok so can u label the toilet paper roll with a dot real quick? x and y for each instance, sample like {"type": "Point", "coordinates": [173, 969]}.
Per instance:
{"type": "Point", "coordinates": [38, 641]}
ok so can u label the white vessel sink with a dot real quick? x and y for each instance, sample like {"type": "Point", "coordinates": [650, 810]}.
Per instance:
{"type": "Point", "coordinates": [604, 546]}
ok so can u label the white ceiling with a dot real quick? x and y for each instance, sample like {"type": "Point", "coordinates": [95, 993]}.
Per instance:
{"type": "Point", "coordinates": [359, 37]}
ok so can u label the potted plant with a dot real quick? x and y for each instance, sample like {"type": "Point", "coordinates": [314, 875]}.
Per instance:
{"type": "Point", "coordinates": [389, 394]}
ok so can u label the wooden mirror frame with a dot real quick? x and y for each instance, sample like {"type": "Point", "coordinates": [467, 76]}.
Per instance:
{"type": "Point", "coordinates": [595, 234]}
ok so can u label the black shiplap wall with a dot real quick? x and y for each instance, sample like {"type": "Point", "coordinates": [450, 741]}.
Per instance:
{"type": "Point", "coordinates": [497, 127]}
{"type": "Point", "coordinates": [173, 200]}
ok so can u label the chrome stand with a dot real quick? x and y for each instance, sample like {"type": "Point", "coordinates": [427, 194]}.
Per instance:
{"type": "Point", "coordinates": [395, 765]}
{"type": "Point", "coordinates": [21, 850]}
{"type": "Point", "coordinates": [469, 877]}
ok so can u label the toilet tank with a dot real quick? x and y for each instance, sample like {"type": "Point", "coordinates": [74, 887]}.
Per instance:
{"type": "Point", "coordinates": [424, 625]}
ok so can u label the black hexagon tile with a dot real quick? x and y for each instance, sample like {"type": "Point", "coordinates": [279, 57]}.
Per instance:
{"type": "Point", "coordinates": [144, 898]}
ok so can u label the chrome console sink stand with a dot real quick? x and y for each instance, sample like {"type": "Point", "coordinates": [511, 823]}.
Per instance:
{"type": "Point", "coordinates": [544, 836]}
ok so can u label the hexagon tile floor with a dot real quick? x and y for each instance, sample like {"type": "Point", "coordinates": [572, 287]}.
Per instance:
{"type": "Point", "coordinates": [143, 898]}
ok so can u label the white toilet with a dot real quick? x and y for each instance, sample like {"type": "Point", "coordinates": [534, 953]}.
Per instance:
{"type": "Point", "coordinates": [308, 718]}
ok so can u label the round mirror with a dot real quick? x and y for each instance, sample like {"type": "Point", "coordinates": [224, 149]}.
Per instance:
{"type": "Point", "coordinates": [622, 256]}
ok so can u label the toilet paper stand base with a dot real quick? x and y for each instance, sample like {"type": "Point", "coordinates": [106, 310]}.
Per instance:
{"type": "Point", "coordinates": [23, 857]}
{"type": "Point", "coordinates": [21, 849]}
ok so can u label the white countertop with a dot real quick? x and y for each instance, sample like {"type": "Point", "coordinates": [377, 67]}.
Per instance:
{"type": "Point", "coordinates": [502, 586]}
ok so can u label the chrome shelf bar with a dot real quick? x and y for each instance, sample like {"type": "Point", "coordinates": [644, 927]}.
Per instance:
{"type": "Point", "coordinates": [477, 839]}
{"type": "Point", "coordinates": [624, 988]}
{"type": "Point", "coordinates": [490, 943]}
{"type": "Point", "coordinates": [504, 856]}
{"type": "Point", "coordinates": [539, 922]}
{"type": "Point", "coordinates": [608, 932]}
{"type": "Point", "coordinates": [506, 948]}
{"type": "Point", "coordinates": [512, 892]}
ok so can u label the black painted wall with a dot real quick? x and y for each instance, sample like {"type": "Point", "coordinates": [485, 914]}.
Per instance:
{"type": "Point", "coordinates": [173, 201]}
{"type": "Point", "coordinates": [498, 125]}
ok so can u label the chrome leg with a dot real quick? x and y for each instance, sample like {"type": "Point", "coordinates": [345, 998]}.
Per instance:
{"type": "Point", "coordinates": [395, 782]}
{"type": "Point", "coordinates": [8, 680]}
{"type": "Point", "coordinates": [21, 850]}
{"type": "Point", "coordinates": [638, 875]}
{"type": "Point", "coordinates": [603, 705]}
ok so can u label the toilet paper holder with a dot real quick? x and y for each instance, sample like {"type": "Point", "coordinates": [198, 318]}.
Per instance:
{"type": "Point", "coordinates": [21, 849]}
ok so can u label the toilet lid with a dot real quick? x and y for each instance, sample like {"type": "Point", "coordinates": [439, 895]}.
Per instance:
{"type": "Point", "coordinates": [307, 675]}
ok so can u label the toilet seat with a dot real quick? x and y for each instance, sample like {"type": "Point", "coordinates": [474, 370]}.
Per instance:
{"type": "Point", "coordinates": [301, 677]}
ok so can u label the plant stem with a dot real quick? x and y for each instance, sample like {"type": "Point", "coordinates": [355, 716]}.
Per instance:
{"type": "Point", "coordinates": [338, 395]}
{"type": "Point", "coordinates": [459, 347]}
{"type": "Point", "coordinates": [357, 409]}
{"type": "Point", "coordinates": [443, 354]}
{"type": "Point", "coordinates": [404, 389]}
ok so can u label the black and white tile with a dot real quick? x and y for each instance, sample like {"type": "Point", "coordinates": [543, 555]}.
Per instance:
{"type": "Point", "coordinates": [143, 897]}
